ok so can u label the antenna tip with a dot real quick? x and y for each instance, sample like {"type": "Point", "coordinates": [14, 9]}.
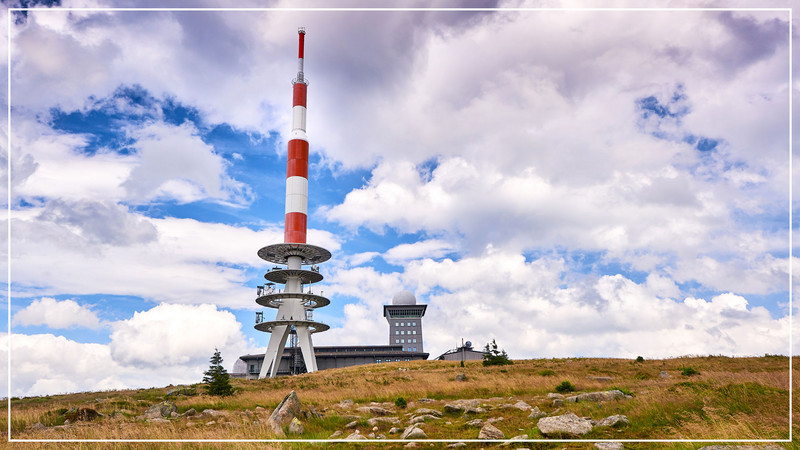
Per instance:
{"type": "Point", "coordinates": [301, 30]}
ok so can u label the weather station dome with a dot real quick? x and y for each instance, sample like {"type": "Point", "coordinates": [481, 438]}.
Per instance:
{"type": "Point", "coordinates": [404, 298]}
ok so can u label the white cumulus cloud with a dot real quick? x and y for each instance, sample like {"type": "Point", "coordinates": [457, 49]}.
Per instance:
{"type": "Point", "coordinates": [57, 314]}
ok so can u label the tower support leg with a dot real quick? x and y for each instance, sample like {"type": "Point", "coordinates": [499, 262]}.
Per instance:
{"type": "Point", "coordinates": [304, 336]}
{"type": "Point", "coordinates": [272, 358]}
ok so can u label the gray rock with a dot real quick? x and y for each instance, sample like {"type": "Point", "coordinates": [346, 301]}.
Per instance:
{"type": "Point", "coordinates": [395, 430]}
{"type": "Point", "coordinates": [422, 418]}
{"type": "Point", "coordinates": [410, 445]}
{"type": "Point", "coordinates": [336, 434]}
{"type": "Point", "coordinates": [375, 421]}
{"type": "Point", "coordinates": [374, 410]}
{"type": "Point", "coordinates": [521, 437]}
{"type": "Point", "coordinates": [522, 406]}
{"type": "Point", "coordinates": [157, 420]}
{"type": "Point", "coordinates": [494, 419]}
{"type": "Point", "coordinates": [355, 436]}
{"type": "Point", "coordinates": [344, 404]}
{"type": "Point", "coordinates": [426, 400]}
{"type": "Point", "coordinates": [287, 410]}
{"type": "Point", "coordinates": [189, 413]}
{"type": "Point", "coordinates": [181, 390]}
{"type": "Point", "coordinates": [461, 377]}
{"type": "Point", "coordinates": [453, 408]}
{"type": "Point", "coordinates": [38, 426]}
{"type": "Point", "coordinates": [296, 427]}
{"type": "Point", "coordinates": [352, 424]}
{"type": "Point", "coordinates": [613, 421]}
{"type": "Point", "coordinates": [489, 431]}
{"type": "Point", "coordinates": [536, 413]}
{"type": "Point", "coordinates": [608, 445]}
{"type": "Point", "coordinates": [664, 374]}
{"type": "Point", "coordinates": [471, 410]}
{"type": "Point", "coordinates": [456, 445]}
{"type": "Point", "coordinates": [475, 423]}
{"type": "Point", "coordinates": [602, 396]}
{"type": "Point", "coordinates": [600, 378]}
{"type": "Point", "coordinates": [432, 412]}
{"type": "Point", "coordinates": [413, 432]}
{"type": "Point", "coordinates": [558, 403]}
{"type": "Point", "coordinates": [554, 395]}
{"type": "Point", "coordinates": [160, 410]}
{"type": "Point", "coordinates": [567, 423]}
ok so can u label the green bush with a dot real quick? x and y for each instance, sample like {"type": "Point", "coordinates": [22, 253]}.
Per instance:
{"type": "Point", "coordinates": [216, 377]}
{"type": "Point", "coordinates": [688, 371]}
{"type": "Point", "coordinates": [400, 402]}
{"type": "Point", "coordinates": [565, 386]}
{"type": "Point", "coordinates": [547, 372]}
{"type": "Point", "coordinates": [639, 359]}
{"type": "Point", "coordinates": [492, 356]}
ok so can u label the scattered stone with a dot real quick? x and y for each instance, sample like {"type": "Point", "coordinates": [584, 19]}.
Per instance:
{"type": "Point", "coordinates": [355, 436]}
{"type": "Point", "coordinates": [471, 410]}
{"type": "Point", "coordinates": [453, 408]}
{"type": "Point", "coordinates": [173, 415]}
{"type": "Point", "coordinates": [188, 413]}
{"type": "Point", "coordinates": [160, 410]}
{"type": "Point", "coordinates": [567, 423]}
{"type": "Point", "coordinates": [295, 426]}
{"type": "Point", "coordinates": [613, 421]}
{"type": "Point", "coordinates": [374, 421]}
{"type": "Point", "coordinates": [288, 409]}
{"type": "Point", "coordinates": [423, 418]}
{"type": "Point", "coordinates": [38, 426]}
{"type": "Point", "coordinates": [475, 423]}
{"type": "Point", "coordinates": [187, 391]}
{"type": "Point", "coordinates": [426, 400]}
{"type": "Point", "coordinates": [489, 431]}
{"type": "Point", "coordinates": [336, 434]}
{"type": "Point", "coordinates": [211, 422]}
{"type": "Point", "coordinates": [260, 409]}
{"type": "Point", "coordinates": [210, 412]}
{"type": "Point", "coordinates": [395, 430]}
{"type": "Point", "coordinates": [461, 377]}
{"type": "Point", "coordinates": [374, 410]}
{"type": "Point", "coordinates": [190, 424]}
{"type": "Point", "coordinates": [410, 445]}
{"type": "Point", "coordinates": [456, 444]}
{"type": "Point", "coordinates": [522, 406]}
{"type": "Point", "coordinates": [554, 395]}
{"type": "Point", "coordinates": [344, 404]}
{"type": "Point", "coordinates": [82, 414]}
{"type": "Point", "coordinates": [536, 413]}
{"type": "Point", "coordinates": [608, 445]}
{"type": "Point", "coordinates": [494, 419]}
{"type": "Point", "coordinates": [558, 403]}
{"type": "Point", "coordinates": [664, 374]}
{"type": "Point", "coordinates": [413, 432]}
{"type": "Point", "coordinates": [600, 378]}
{"type": "Point", "coordinates": [521, 437]}
{"type": "Point", "coordinates": [371, 435]}
{"type": "Point", "coordinates": [432, 412]}
{"type": "Point", "coordinates": [602, 396]}
{"type": "Point", "coordinates": [158, 420]}
{"type": "Point", "coordinates": [352, 424]}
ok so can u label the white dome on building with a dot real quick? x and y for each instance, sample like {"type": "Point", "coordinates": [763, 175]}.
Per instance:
{"type": "Point", "coordinates": [404, 298]}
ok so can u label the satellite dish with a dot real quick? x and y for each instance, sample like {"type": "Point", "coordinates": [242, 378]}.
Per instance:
{"type": "Point", "coordinates": [468, 344]}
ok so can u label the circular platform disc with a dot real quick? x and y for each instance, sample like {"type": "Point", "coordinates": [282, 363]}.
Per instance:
{"type": "Point", "coordinates": [309, 300]}
{"type": "Point", "coordinates": [280, 253]}
{"type": "Point", "coordinates": [314, 327]}
{"type": "Point", "coordinates": [281, 275]}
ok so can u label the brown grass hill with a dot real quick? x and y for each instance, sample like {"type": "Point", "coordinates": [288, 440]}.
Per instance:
{"type": "Point", "coordinates": [443, 404]}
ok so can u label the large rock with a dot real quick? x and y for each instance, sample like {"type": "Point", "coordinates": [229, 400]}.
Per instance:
{"type": "Point", "coordinates": [521, 437]}
{"type": "Point", "coordinates": [374, 410]}
{"type": "Point", "coordinates": [413, 432]}
{"type": "Point", "coordinates": [355, 436]}
{"type": "Point", "coordinates": [522, 406]}
{"type": "Point", "coordinates": [536, 413]}
{"type": "Point", "coordinates": [602, 396]}
{"type": "Point", "coordinates": [567, 423]}
{"type": "Point", "coordinates": [295, 426]}
{"type": "Point", "coordinates": [489, 431]}
{"type": "Point", "coordinates": [608, 445]}
{"type": "Point", "coordinates": [181, 390]}
{"type": "Point", "coordinates": [432, 412]}
{"type": "Point", "coordinates": [160, 410]}
{"type": "Point", "coordinates": [287, 410]}
{"type": "Point", "coordinates": [613, 421]}
{"type": "Point", "coordinates": [375, 421]}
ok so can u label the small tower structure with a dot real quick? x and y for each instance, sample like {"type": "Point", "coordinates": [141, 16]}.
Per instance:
{"type": "Point", "coordinates": [405, 321]}
{"type": "Point", "coordinates": [294, 303]}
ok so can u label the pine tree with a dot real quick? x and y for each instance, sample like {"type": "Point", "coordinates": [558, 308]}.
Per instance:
{"type": "Point", "coordinates": [216, 377]}
{"type": "Point", "coordinates": [492, 356]}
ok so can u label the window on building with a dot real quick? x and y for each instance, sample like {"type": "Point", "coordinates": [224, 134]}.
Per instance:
{"type": "Point", "coordinates": [413, 324]}
{"type": "Point", "coordinates": [415, 340]}
{"type": "Point", "coordinates": [378, 360]}
{"type": "Point", "coordinates": [415, 331]}
{"type": "Point", "coordinates": [396, 332]}
{"type": "Point", "coordinates": [402, 331]}
{"type": "Point", "coordinates": [402, 341]}
{"type": "Point", "coordinates": [398, 359]}
{"type": "Point", "coordinates": [396, 323]}
{"type": "Point", "coordinates": [415, 348]}
{"type": "Point", "coordinates": [252, 368]}
{"type": "Point", "coordinates": [408, 359]}
{"type": "Point", "coordinates": [402, 324]}
{"type": "Point", "coordinates": [397, 341]}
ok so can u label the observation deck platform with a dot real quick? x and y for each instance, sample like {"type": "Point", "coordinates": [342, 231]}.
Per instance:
{"type": "Point", "coordinates": [280, 253]}
{"type": "Point", "coordinates": [313, 327]}
{"type": "Point", "coordinates": [282, 275]}
{"type": "Point", "coordinates": [275, 300]}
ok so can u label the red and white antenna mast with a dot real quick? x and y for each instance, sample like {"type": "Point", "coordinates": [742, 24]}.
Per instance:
{"type": "Point", "coordinates": [296, 219]}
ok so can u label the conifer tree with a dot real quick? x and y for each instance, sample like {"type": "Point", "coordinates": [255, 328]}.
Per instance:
{"type": "Point", "coordinates": [216, 377]}
{"type": "Point", "coordinates": [492, 356]}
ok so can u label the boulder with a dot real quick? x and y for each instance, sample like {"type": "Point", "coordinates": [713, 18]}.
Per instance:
{"type": "Point", "coordinates": [355, 436]}
{"type": "Point", "coordinates": [188, 413]}
{"type": "Point", "coordinates": [522, 406]}
{"type": "Point", "coordinates": [602, 396]}
{"type": "Point", "coordinates": [413, 432]}
{"type": "Point", "coordinates": [456, 445]}
{"type": "Point", "coordinates": [181, 390]}
{"type": "Point", "coordinates": [567, 423]}
{"type": "Point", "coordinates": [432, 412]}
{"type": "Point", "coordinates": [374, 410]}
{"type": "Point", "coordinates": [521, 437]}
{"type": "Point", "coordinates": [608, 445]}
{"type": "Point", "coordinates": [471, 410]}
{"type": "Point", "coordinates": [82, 414]}
{"type": "Point", "coordinates": [453, 408]}
{"type": "Point", "coordinates": [395, 430]}
{"type": "Point", "coordinates": [295, 426]}
{"type": "Point", "coordinates": [536, 413]}
{"type": "Point", "coordinates": [613, 421]}
{"type": "Point", "coordinates": [375, 421]}
{"type": "Point", "coordinates": [344, 404]}
{"type": "Point", "coordinates": [557, 403]}
{"type": "Point", "coordinates": [554, 395]}
{"type": "Point", "coordinates": [160, 410]}
{"type": "Point", "coordinates": [489, 431]}
{"type": "Point", "coordinates": [352, 424]}
{"type": "Point", "coordinates": [461, 377]}
{"type": "Point", "coordinates": [423, 418]}
{"type": "Point", "coordinates": [475, 423]}
{"type": "Point", "coordinates": [426, 400]}
{"type": "Point", "coordinates": [335, 434]}
{"type": "Point", "coordinates": [288, 409]}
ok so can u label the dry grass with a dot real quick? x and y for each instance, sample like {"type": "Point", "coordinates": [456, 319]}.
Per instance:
{"type": "Point", "coordinates": [731, 398]}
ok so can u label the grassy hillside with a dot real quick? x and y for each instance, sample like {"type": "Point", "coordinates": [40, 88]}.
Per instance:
{"type": "Point", "coordinates": [731, 398]}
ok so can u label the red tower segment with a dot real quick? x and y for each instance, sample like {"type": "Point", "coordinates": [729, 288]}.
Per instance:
{"type": "Point", "coordinates": [296, 218]}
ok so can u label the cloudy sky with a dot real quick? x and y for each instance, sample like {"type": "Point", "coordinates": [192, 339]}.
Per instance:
{"type": "Point", "coordinates": [568, 182]}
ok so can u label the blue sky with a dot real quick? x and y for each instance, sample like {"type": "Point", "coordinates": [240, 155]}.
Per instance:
{"type": "Point", "coordinates": [569, 183]}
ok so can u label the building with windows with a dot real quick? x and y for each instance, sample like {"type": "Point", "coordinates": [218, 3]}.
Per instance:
{"type": "Point", "coordinates": [405, 344]}
{"type": "Point", "coordinates": [463, 353]}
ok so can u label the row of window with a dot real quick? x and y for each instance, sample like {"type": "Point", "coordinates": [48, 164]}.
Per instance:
{"type": "Point", "coordinates": [403, 341]}
{"type": "Point", "coordinates": [390, 360]}
{"type": "Point", "coordinates": [405, 324]}
{"type": "Point", "coordinates": [399, 332]}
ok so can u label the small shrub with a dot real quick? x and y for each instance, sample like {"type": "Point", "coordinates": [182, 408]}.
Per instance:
{"type": "Point", "coordinates": [400, 402]}
{"type": "Point", "coordinates": [642, 376]}
{"type": "Point", "coordinates": [623, 390]}
{"type": "Point", "coordinates": [639, 359]}
{"type": "Point", "coordinates": [688, 371]}
{"type": "Point", "coordinates": [492, 356]}
{"type": "Point", "coordinates": [547, 372]}
{"type": "Point", "coordinates": [565, 386]}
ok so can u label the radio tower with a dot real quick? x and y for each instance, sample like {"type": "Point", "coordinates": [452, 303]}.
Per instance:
{"type": "Point", "coordinates": [294, 303]}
